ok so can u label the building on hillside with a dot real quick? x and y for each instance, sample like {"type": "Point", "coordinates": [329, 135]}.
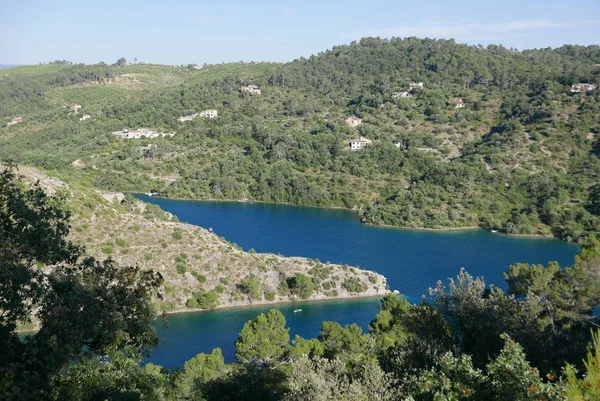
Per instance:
{"type": "Point", "coordinates": [85, 117]}
{"type": "Point", "coordinates": [75, 107]}
{"type": "Point", "coordinates": [252, 89]}
{"type": "Point", "coordinates": [140, 133]}
{"type": "Point", "coordinates": [209, 113]}
{"type": "Point", "coordinates": [358, 144]}
{"type": "Point", "coordinates": [397, 95]}
{"type": "Point", "coordinates": [582, 88]}
{"type": "Point", "coordinates": [417, 85]}
{"type": "Point", "coordinates": [457, 102]}
{"type": "Point", "coordinates": [187, 118]}
{"type": "Point", "coordinates": [15, 120]}
{"type": "Point", "coordinates": [353, 121]}
{"type": "Point", "coordinates": [199, 66]}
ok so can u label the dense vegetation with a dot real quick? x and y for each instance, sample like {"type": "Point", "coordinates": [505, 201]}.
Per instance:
{"type": "Point", "coordinates": [522, 156]}
{"type": "Point", "coordinates": [465, 341]}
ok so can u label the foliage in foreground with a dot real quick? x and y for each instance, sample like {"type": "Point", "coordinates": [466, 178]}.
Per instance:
{"type": "Point", "coordinates": [466, 341]}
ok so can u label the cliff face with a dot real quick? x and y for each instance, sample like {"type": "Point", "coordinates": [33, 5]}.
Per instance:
{"type": "Point", "coordinates": [194, 261]}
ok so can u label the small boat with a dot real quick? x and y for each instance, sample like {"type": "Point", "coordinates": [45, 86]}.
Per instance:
{"type": "Point", "coordinates": [494, 231]}
{"type": "Point", "coordinates": [210, 229]}
{"type": "Point", "coordinates": [297, 310]}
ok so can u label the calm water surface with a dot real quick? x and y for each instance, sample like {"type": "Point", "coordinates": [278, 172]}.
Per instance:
{"type": "Point", "coordinates": [411, 260]}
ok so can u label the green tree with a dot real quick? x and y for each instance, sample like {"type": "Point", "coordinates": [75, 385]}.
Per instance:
{"type": "Point", "coordinates": [301, 286]}
{"type": "Point", "coordinates": [198, 372]}
{"type": "Point", "coordinates": [84, 306]}
{"type": "Point", "coordinates": [263, 340]}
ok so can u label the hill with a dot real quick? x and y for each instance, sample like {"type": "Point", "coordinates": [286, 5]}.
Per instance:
{"type": "Point", "coordinates": [201, 270]}
{"type": "Point", "coordinates": [521, 156]}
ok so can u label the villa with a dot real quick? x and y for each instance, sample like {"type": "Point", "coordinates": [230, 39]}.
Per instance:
{"type": "Point", "coordinates": [457, 102]}
{"type": "Point", "coordinates": [397, 95]}
{"type": "Point", "coordinates": [209, 114]}
{"type": "Point", "coordinates": [353, 121]}
{"type": "Point", "coordinates": [582, 87]}
{"type": "Point", "coordinates": [85, 117]}
{"type": "Point", "coordinates": [140, 133]}
{"type": "Point", "coordinates": [187, 118]}
{"type": "Point", "coordinates": [75, 107]}
{"type": "Point", "coordinates": [417, 85]}
{"type": "Point", "coordinates": [252, 89]}
{"type": "Point", "coordinates": [358, 144]}
{"type": "Point", "coordinates": [14, 121]}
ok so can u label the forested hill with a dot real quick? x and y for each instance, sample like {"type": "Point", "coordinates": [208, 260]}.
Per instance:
{"type": "Point", "coordinates": [521, 156]}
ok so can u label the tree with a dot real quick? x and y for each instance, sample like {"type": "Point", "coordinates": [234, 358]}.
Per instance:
{"type": "Point", "coordinates": [121, 62]}
{"type": "Point", "coordinates": [587, 387]}
{"type": "Point", "coordinates": [83, 306]}
{"type": "Point", "coordinates": [301, 285]}
{"type": "Point", "coordinates": [321, 379]}
{"type": "Point", "coordinates": [263, 340]}
{"type": "Point", "coordinates": [197, 372]}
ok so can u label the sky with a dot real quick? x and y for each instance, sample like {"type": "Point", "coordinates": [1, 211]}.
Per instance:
{"type": "Point", "coordinates": [187, 31]}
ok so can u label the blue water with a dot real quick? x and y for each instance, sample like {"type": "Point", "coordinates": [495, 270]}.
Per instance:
{"type": "Point", "coordinates": [411, 260]}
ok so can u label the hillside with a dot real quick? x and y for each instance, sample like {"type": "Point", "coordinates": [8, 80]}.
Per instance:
{"type": "Point", "coordinates": [521, 156]}
{"type": "Point", "coordinates": [201, 270]}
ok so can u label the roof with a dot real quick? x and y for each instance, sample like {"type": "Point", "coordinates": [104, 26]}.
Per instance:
{"type": "Point", "coordinates": [455, 100]}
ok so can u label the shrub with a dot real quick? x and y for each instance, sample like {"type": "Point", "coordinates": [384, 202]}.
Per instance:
{"type": "Point", "coordinates": [177, 233]}
{"type": "Point", "coordinates": [181, 268]}
{"type": "Point", "coordinates": [200, 277]}
{"type": "Point", "coordinates": [203, 300]}
{"type": "Point", "coordinates": [301, 286]}
{"type": "Point", "coordinates": [354, 285]}
{"type": "Point", "coordinates": [269, 295]}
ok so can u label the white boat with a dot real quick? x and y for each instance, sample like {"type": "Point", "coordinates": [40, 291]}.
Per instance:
{"type": "Point", "coordinates": [297, 310]}
{"type": "Point", "coordinates": [210, 229]}
{"type": "Point", "coordinates": [494, 231]}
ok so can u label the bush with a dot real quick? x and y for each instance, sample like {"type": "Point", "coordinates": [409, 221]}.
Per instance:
{"type": "Point", "coordinates": [177, 234]}
{"type": "Point", "coordinates": [269, 295]}
{"type": "Point", "coordinates": [181, 268]}
{"type": "Point", "coordinates": [200, 277]}
{"type": "Point", "coordinates": [301, 286]}
{"type": "Point", "coordinates": [250, 286]}
{"type": "Point", "coordinates": [354, 285]}
{"type": "Point", "coordinates": [122, 243]}
{"type": "Point", "coordinates": [203, 300]}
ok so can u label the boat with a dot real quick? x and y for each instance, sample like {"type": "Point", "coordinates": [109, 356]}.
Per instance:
{"type": "Point", "coordinates": [494, 231]}
{"type": "Point", "coordinates": [210, 229]}
{"type": "Point", "coordinates": [297, 310]}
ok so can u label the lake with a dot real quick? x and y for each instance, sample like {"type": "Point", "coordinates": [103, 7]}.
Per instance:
{"type": "Point", "coordinates": [412, 261]}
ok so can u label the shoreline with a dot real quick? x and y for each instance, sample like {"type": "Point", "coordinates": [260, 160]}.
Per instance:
{"type": "Point", "coordinates": [275, 303]}
{"type": "Point", "coordinates": [160, 315]}
{"type": "Point", "coordinates": [441, 229]}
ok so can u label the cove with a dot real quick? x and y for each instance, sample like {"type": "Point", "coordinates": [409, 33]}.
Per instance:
{"type": "Point", "coordinates": [412, 261]}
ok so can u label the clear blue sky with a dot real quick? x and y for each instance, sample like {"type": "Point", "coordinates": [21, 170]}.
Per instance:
{"type": "Point", "coordinates": [187, 31]}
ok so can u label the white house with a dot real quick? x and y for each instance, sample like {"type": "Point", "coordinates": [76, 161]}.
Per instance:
{"type": "Point", "coordinates": [582, 87]}
{"type": "Point", "coordinates": [416, 85]}
{"type": "Point", "coordinates": [252, 89]}
{"type": "Point", "coordinates": [209, 113]}
{"type": "Point", "coordinates": [15, 120]}
{"type": "Point", "coordinates": [85, 117]}
{"type": "Point", "coordinates": [353, 121]}
{"type": "Point", "coordinates": [358, 144]}
{"type": "Point", "coordinates": [187, 118]}
{"type": "Point", "coordinates": [457, 102]}
{"type": "Point", "coordinates": [140, 133]}
{"type": "Point", "coordinates": [397, 95]}
{"type": "Point", "coordinates": [75, 107]}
